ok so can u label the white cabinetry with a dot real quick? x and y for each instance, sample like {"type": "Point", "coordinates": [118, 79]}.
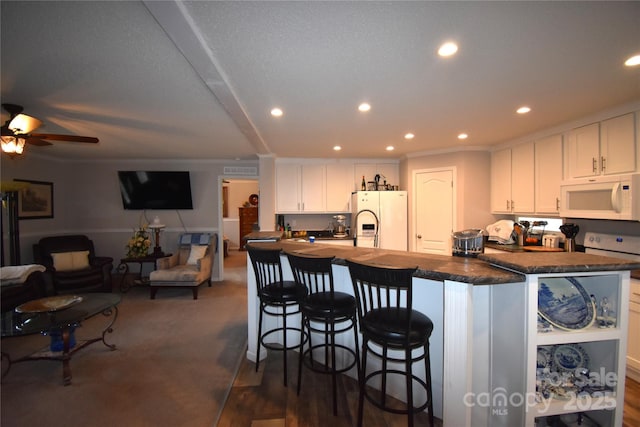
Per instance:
{"type": "Point", "coordinates": [387, 171]}
{"type": "Point", "coordinates": [548, 174]}
{"type": "Point", "coordinates": [605, 148]}
{"type": "Point", "coordinates": [339, 187]}
{"type": "Point", "coordinates": [512, 179]}
{"type": "Point", "coordinates": [605, 349]}
{"type": "Point", "coordinates": [300, 188]}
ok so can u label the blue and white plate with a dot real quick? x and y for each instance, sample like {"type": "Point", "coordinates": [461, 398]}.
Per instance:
{"type": "Point", "coordinates": [563, 302]}
{"type": "Point", "coordinates": [569, 357]}
{"type": "Point", "coordinates": [543, 359]}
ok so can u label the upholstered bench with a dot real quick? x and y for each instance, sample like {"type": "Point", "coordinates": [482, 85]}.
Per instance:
{"type": "Point", "coordinates": [189, 267]}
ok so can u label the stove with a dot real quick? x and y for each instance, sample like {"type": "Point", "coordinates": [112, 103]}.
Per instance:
{"type": "Point", "coordinates": [624, 247]}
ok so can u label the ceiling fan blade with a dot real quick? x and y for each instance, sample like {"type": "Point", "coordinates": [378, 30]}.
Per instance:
{"type": "Point", "coordinates": [72, 138]}
{"type": "Point", "coordinates": [37, 141]}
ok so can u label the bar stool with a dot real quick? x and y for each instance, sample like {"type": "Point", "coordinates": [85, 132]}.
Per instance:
{"type": "Point", "coordinates": [326, 312]}
{"type": "Point", "coordinates": [277, 297]}
{"type": "Point", "coordinates": [387, 320]}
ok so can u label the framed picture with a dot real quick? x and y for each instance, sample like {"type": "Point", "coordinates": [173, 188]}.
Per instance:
{"type": "Point", "coordinates": [35, 200]}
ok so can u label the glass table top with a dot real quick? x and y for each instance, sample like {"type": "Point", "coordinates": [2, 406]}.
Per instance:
{"type": "Point", "coordinates": [15, 323]}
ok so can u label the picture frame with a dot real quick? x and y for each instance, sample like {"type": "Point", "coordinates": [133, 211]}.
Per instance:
{"type": "Point", "coordinates": [35, 200]}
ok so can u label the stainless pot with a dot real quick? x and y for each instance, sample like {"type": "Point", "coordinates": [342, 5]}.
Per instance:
{"type": "Point", "coordinates": [467, 243]}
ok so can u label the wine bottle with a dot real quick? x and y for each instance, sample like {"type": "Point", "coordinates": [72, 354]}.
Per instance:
{"type": "Point", "coordinates": [364, 184]}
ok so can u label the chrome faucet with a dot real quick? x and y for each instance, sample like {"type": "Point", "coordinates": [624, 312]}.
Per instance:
{"type": "Point", "coordinates": [355, 222]}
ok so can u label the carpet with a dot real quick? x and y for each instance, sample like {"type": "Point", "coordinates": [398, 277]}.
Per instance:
{"type": "Point", "coordinates": [175, 361]}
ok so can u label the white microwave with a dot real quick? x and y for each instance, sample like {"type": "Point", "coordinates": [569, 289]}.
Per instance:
{"type": "Point", "coordinates": [603, 197]}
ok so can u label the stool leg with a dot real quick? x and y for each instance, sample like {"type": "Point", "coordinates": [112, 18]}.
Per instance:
{"type": "Point", "coordinates": [383, 398]}
{"type": "Point", "coordinates": [361, 380]}
{"type": "Point", "coordinates": [333, 367]}
{"type": "Point", "coordinates": [259, 337]}
{"type": "Point", "coordinates": [427, 367]}
{"type": "Point", "coordinates": [301, 354]}
{"type": "Point", "coordinates": [409, 381]}
{"type": "Point", "coordinates": [284, 340]}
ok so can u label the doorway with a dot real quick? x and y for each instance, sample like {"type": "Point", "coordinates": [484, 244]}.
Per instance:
{"type": "Point", "coordinates": [434, 214]}
{"type": "Point", "coordinates": [235, 192]}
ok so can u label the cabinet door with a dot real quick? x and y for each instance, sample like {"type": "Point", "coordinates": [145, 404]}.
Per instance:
{"type": "Point", "coordinates": [583, 151]}
{"type": "Point", "coordinates": [522, 178]}
{"type": "Point", "coordinates": [501, 181]}
{"type": "Point", "coordinates": [390, 172]}
{"type": "Point", "coordinates": [313, 192]}
{"type": "Point", "coordinates": [339, 187]}
{"type": "Point", "coordinates": [368, 170]}
{"type": "Point", "coordinates": [617, 145]}
{"type": "Point", "coordinates": [548, 174]}
{"type": "Point", "coordinates": [287, 187]}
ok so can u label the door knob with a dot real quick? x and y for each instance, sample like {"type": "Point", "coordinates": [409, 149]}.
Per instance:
{"type": "Point", "coordinates": [419, 236]}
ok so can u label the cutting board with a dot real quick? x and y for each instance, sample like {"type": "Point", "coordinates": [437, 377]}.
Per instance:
{"type": "Point", "coordinates": [541, 249]}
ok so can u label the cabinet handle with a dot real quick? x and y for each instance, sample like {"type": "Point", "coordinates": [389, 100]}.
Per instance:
{"type": "Point", "coordinates": [604, 163]}
{"type": "Point", "coordinates": [507, 204]}
{"type": "Point", "coordinates": [298, 205]}
{"type": "Point", "coordinates": [557, 204]}
{"type": "Point", "coordinates": [512, 205]}
{"type": "Point", "coordinates": [594, 163]}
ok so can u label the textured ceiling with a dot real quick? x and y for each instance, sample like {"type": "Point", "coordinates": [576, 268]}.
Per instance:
{"type": "Point", "coordinates": [196, 80]}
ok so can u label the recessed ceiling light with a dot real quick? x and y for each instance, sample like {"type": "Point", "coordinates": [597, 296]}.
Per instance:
{"type": "Point", "coordinates": [448, 49]}
{"type": "Point", "coordinates": [633, 61]}
{"type": "Point", "coordinates": [523, 110]}
{"type": "Point", "coordinates": [390, 148]}
{"type": "Point", "coordinates": [276, 112]}
{"type": "Point", "coordinates": [409, 136]}
{"type": "Point", "coordinates": [364, 107]}
{"type": "Point", "coordinates": [463, 136]}
{"type": "Point", "coordinates": [337, 148]}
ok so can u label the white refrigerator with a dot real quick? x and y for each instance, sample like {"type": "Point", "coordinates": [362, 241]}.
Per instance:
{"type": "Point", "coordinates": [379, 219]}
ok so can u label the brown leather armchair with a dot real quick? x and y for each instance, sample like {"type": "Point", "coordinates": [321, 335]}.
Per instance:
{"type": "Point", "coordinates": [72, 264]}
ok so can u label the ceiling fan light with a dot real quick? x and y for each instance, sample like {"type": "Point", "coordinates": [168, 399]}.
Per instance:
{"type": "Point", "coordinates": [12, 145]}
{"type": "Point", "coordinates": [24, 124]}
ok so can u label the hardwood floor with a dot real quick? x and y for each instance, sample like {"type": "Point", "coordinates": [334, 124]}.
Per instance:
{"type": "Point", "coordinates": [631, 403]}
{"type": "Point", "coordinates": [260, 400]}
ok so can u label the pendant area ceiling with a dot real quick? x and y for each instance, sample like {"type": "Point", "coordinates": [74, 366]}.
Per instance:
{"type": "Point", "coordinates": [197, 80]}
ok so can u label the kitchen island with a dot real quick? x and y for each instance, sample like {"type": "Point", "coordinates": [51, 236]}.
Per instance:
{"type": "Point", "coordinates": [484, 314]}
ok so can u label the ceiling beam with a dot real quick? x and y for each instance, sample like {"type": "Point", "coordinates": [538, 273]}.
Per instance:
{"type": "Point", "coordinates": [176, 22]}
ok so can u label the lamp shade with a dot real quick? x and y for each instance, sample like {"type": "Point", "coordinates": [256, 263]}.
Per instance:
{"type": "Point", "coordinates": [22, 124]}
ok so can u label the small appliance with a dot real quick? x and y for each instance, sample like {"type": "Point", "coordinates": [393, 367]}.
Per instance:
{"type": "Point", "coordinates": [467, 243]}
{"type": "Point", "coordinates": [603, 197]}
{"type": "Point", "coordinates": [340, 228]}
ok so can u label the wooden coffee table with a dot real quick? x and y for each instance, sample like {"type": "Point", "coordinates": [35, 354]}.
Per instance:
{"type": "Point", "coordinates": [58, 317]}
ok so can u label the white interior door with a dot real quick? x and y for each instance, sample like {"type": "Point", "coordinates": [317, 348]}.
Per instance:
{"type": "Point", "coordinates": [434, 211]}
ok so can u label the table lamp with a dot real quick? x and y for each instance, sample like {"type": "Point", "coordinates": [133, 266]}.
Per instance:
{"type": "Point", "coordinates": [157, 227]}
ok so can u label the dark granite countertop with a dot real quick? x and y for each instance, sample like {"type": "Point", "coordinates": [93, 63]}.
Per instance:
{"type": "Point", "coordinates": [557, 262]}
{"type": "Point", "coordinates": [487, 269]}
{"type": "Point", "coordinates": [263, 235]}
{"type": "Point", "coordinates": [433, 267]}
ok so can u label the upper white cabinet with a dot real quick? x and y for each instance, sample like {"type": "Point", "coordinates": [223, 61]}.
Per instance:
{"type": "Point", "coordinates": [605, 148]}
{"type": "Point", "coordinates": [300, 188]}
{"type": "Point", "coordinates": [339, 187]}
{"type": "Point", "coordinates": [548, 174]}
{"type": "Point", "coordinates": [512, 179]}
{"type": "Point", "coordinates": [387, 171]}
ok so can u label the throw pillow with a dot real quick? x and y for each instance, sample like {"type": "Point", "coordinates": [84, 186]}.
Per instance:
{"type": "Point", "coordinates": [196, 253]}
{"type": "Point", "coordinates": [69, 261]}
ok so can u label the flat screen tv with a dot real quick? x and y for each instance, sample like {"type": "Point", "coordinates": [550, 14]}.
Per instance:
{"type": "Point", "coordinates": [155, 190]}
